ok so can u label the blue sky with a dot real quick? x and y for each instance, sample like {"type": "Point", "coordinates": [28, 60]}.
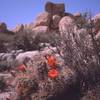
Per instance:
{"type": "Point", "coordinates": [14, 12]}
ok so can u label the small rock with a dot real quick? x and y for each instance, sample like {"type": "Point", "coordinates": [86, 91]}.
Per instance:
{"type": "Point", "coordinates": [66, 24]}
{"type": "Point", "coordinates": [97, 22]}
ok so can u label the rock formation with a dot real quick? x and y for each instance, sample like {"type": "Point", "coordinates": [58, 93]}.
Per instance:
{"type": "Point", "coordinates": [66, 24]}
{"type": "Point", "coordinates": [52, 8]}
{"type": "Point", "coordinates": [18, 28]}
{"type": "Point", "coordinates": [50, 18]}
{"type": "Point", "coordinates": [3, 27]}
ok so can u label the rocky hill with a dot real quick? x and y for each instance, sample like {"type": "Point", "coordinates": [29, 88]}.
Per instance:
{"type": "Point", "coordinates": [72, 39]}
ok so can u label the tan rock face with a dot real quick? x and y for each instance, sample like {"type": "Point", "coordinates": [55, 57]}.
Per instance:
{"type": "Point", "coordinates": [97, 35]}
{"type": "Point", "coordinates": [18, 28]}
{"type": "Point", "coordinates": [55, 8]}
{"type": "Point", "coordinates": [3, 27]}
{"type": "Point", "coordinates": [55, 20]}
{"type": "Point", "coordinates": [97, 22]}
{"type": "Point", "coordinates": [40, 29]}
{"type": "Point", "coordinates": [43, 19]}
{"type": "Point", "coordinates": [65, 25]}
{"type": "Point", "coordinates": [30, 26]}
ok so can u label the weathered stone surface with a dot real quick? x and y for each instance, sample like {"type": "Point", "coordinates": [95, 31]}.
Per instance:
{"type": "Point", "coordinates": [97, 22]}
{"type": "Point", "coordinates": [55, 8]}
{"type": "Point", "coordinates": [55, 20]}
{"type": "Point", "coordinates": [3, 27]}
{"type": "Point", "coordinates": [18, 28]}
{"type": "Point", "coordinates": [66, 24]}
{"type": "Point", "coordinates": [30, 54]}
{"type": "Point", "coordinates": [43, 19]}
{"type": "Point", "coordinates": [40, 29]}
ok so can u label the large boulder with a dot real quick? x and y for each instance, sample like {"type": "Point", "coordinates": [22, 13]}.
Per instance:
{"type": "Point", "coordinates": [66, 24]}
{"type": "Point", "coordinates": [55, 21]}
{"type": "Point", "coordinates": [97, 22]}
{"type": "Point", "coordinates": [43, 19]}
{"type": "Point", "coordinates": [3, 27]}
{"type": "Point", "coordinates": [18, 28]}
{"type": "Point", "coordinates": [21, 56]}
{"type": "Point", "coordinates": [55, 8]}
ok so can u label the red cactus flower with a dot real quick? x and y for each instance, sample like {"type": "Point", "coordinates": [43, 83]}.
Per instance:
{"type": "Point", "coordinates": [53, 73]}
{"type": "Point", "coordinates": [51, 61]}
{"type": "Point", "coordinates": [22, 68]}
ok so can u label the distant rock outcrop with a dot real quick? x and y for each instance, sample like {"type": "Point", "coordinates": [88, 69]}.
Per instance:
{"type": "Point", "coordinates": [3, 27]}
{"type": "Point", "coordinates": [4, 30]}
{"type": "Point", "coordinates": [18, 28]}
{"type": "Point", "coordinates": [49, 19]}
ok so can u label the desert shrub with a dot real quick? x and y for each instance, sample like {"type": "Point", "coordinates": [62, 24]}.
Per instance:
{"type": "Point", "coordinates": [98, 43]}
{"type": "Point", "coordinates": [2, 84]}
{"type": "Point", "coordinates": [4, 66]}
{"type": "Point", "coordinates": [54, 39]}
{"type": "Point", "coordinates": [2, 47]}
{"type": "Point", "coordinates": [31, 41]}
{"type": "Point", "coordinates": [51, 37]}
{"type": "Point", "coordinates": [26, 82]}
{"type": "Point", "coordinates": [42, 71]}
{"type": "Point", "coordinates": [27, 86]}
{"type": "Point", "coordinates": [6, 41]}
{"type": "Point", "coordinates": [80, 53]}
{"type": "Point", "coordinates": [25, 42]}
{"type": "Point", "coordinates": [82, 21]}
